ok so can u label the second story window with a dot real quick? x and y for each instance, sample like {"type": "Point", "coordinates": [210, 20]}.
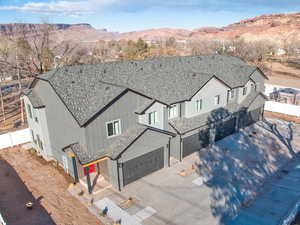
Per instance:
{"type": "Point", "coordinates": [113, 128]}
{"type": "Point", "coordinates": [173, 111]}
{"type": "Point", "coordinates": [232, 94]}
{"type": "Point", "coordinates": [152, 118]}
{"type": "Point", "coordinates": [198, 105]}
{"type": "Point", "coordinates": [217, 99]}
{"type": "Point", "coordinates": [29, 110]}
{"type": "Point", "coordinates": [244, 90]}
{"type": "Point", "coordinates": [35, 115]}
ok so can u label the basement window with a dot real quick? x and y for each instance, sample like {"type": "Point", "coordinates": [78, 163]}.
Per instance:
{"type": "Point", "coordinates": [113, 128]}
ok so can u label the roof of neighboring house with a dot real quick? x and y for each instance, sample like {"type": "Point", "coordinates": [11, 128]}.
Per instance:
{"type": "Point", "coordinates": [86, 89]}
{"type": "Point", "coordinates": [33, 98]}
{"type": "Point", "coordinates": [121, 143]}
{"type": "Point", "coordinates": [184, 125]}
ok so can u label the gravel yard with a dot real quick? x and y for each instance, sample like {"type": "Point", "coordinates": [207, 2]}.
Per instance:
{"type": "Point", "coordinates": [26, 177]}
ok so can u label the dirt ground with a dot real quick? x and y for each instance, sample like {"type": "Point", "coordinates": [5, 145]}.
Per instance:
{"type": "Point", "coordinates": [282, 116]}
{"type": "Point", "coordinates": [26, 177]}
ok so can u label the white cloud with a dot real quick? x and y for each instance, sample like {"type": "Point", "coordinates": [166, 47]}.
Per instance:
{"type": "Point", "coordinates": [61, 7]}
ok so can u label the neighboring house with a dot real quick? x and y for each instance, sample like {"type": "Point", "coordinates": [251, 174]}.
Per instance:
{"type": "Point", "coordinates": [284, 95]}
{"type": "Point", "coordinates": [125, 120]}
{"type": "Point", "coordinates": [283, 90]}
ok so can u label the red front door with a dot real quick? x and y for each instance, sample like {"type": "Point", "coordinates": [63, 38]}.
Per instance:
{"type": "Point", "coordinates": [92, 169]}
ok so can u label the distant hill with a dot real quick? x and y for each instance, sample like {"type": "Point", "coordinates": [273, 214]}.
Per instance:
{"type": "Point", "coordinates": [276, 27]}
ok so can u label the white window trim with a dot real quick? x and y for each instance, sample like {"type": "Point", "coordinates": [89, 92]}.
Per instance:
{"type": "Point", "coordinates": [112, 121]}
{"type": "Point", "coordinates": [232, 93]}
{"type": "Point", "coordinates": [155, 117]}
{"type": "Point", "coordinates": [217, 99]}
{"type": "Point", "coordinates": [169, 111]}
{"type": "Point", "coordinates": [200, 106]}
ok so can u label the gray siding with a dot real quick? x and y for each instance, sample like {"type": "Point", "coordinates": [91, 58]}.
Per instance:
{"type": "Point", "coordinates": [257, 103]}
{"type": "Point", "coordinates": [148, 142]}
{"type": "Point", "coordinates": [175, 147]}
{"type": "Point", "coordinates": [63, 129]}
{"type": "Point", "coordinates": [259, 80]}
{"type": "Point", "coordinates": [39, 128]}
{"type": "Point", "coordinates": [123, 109]}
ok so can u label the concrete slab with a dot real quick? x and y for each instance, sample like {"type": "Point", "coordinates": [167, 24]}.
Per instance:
{"type": "Point", "coordinates": [116, 213]}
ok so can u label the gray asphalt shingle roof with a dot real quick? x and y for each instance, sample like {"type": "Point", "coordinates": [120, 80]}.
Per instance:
{"type": "Point", "coordinates": [86, 89]}
{"type": "Point", "coordinates": [113, 150]}
{"type": "Point", "coordinates": [33, 98]}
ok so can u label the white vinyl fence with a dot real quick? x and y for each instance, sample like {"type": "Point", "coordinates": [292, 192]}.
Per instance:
{"type": "Point", "coordinates": [15, 138]}
{"type": "Point", "coordinates": [293, 110]}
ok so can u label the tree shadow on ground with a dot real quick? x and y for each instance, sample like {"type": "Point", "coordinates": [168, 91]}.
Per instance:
{"type": "Point", "coordinates": [14, 195]}
{"type": "Point", "coordinates": [236, 167]}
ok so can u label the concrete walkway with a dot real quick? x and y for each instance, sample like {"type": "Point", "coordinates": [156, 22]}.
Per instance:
{"type": "Point", "coordinates": [277, 203]}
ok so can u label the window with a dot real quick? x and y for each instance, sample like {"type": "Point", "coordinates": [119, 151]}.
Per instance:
{"type": "Point", "coordinates": [173, 111]}
{"type": "Point", "coordinates": [35, 115]}
{"type": "Point", "coordinates": [198, 105]}
{"type": "Point", "coordinates": [217, 99]}
{"type": "Point", "coordinates": [113, 128]}
{"type": "Point", "coordinates": [244, 90]}
{"type": "Point", "coordinates": [29, 110]}
{"type": "Point", "coordinates": [152, 118]}
{"type": "Point", "coordinates": [232, 94]}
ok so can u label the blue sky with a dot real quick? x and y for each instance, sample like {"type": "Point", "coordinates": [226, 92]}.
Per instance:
{"type": "Point", "coordinates": [130, 15]}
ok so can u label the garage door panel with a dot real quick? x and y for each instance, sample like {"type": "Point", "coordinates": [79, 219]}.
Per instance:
{"type": "Point", "coordinates": [195, 142]}
{"type": "Point", "coordinates": [143, 165]}
{"type": "Point", "coordinates": [225, 129]}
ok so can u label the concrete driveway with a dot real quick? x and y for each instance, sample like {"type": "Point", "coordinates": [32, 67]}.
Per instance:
{"type": "Point", "coordinates": [225, 178]}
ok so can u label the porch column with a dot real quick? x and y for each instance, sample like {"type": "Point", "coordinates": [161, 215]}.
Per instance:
{"type": "Point", "coordinates": [88, 179]}
{"type": "Point", "coordinates": [75, 170]}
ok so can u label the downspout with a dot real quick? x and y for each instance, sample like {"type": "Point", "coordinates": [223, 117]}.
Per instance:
{"type": "Point", "coordinates": [118, 173]}
{"type": "Point", "coordinates": [169, 152]}
{"type": "Point", "coordinates": [180, 149]}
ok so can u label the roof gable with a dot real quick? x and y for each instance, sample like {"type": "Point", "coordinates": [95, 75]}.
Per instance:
{"type": "Point", "coordinates": [86, 89]}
